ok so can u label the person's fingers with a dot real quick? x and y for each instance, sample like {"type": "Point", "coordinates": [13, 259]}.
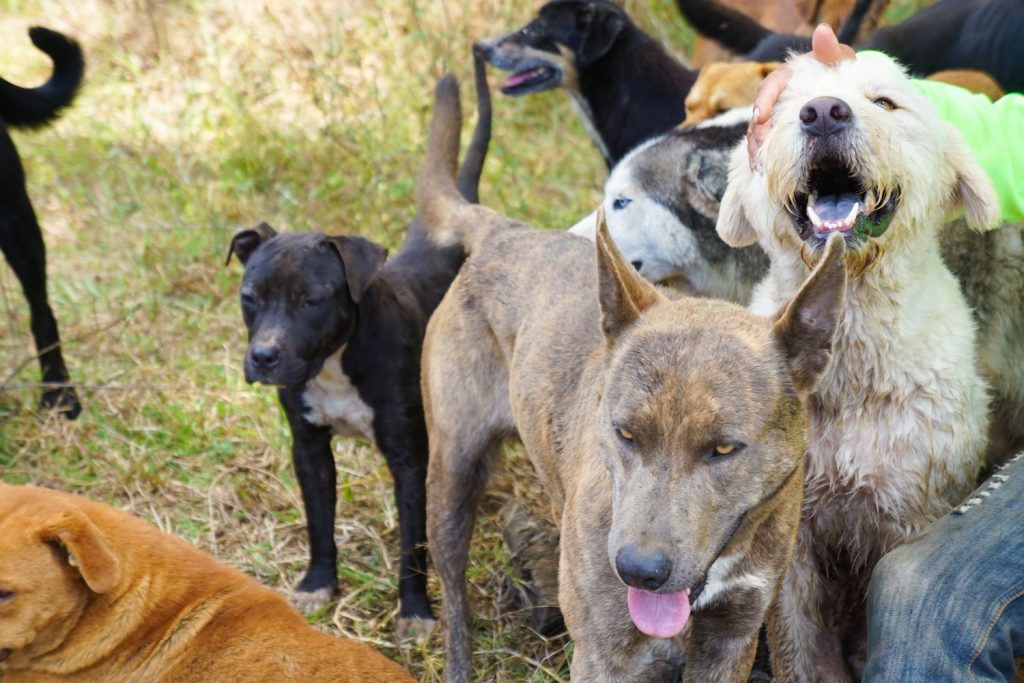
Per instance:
{"type": "Point", "coordinates": [768, 93]}
{"type": "Point", "coordinates": [826, 48]}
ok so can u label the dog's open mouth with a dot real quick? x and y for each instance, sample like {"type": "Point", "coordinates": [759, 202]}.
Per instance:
{"type": "Point", "coordinates": [662, 615]}
{"type": "Point", "coordinates": [836, 200]}
{"type": "Point", "coordinates": [530, 80]}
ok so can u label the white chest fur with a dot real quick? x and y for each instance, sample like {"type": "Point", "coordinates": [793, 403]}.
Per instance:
{"type": "Point", "coordinates": [333, 401]}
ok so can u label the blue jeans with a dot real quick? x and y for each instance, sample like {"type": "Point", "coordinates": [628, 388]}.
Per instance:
{"type": "Point", "coordinates": [949, 605]}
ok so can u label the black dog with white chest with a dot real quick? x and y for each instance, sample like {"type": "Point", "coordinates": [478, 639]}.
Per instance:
{"type": "Point", "coordinates": [625, 85]}
{"type": "Point", "coordinates": [338, 330]}
{"type": "Point", "coordinates": [20, 237]}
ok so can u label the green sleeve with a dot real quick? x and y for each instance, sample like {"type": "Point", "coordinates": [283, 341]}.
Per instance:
{"type": "Point", "coordinates": [994, 131]}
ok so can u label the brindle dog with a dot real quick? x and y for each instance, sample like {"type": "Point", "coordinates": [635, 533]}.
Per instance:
{"type": "Point", "coordinates": [668, 433]}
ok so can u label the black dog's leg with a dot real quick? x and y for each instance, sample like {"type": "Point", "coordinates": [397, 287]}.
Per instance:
{"type": "Point", "coordinates": [314, 467]}
{"type": "Point", "coordinates": [406, 456]}
{"type": "Point", "coordinates": [22, 244]}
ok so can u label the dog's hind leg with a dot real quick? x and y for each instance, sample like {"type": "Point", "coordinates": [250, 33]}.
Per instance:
{"type": "Point", "coordinates": [466, 403]}
{"type": "Point", "coordinates": [804, 649]}
{"type": "Point", "coordinates": [22, 244]}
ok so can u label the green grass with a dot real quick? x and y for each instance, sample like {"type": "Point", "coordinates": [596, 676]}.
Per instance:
{"type": "Point", "coordinates": [202, 116]}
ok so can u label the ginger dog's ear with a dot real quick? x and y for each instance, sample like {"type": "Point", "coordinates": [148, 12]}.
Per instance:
{"type": "Point", "coordinates": [972, 191]}
{"type": "Point", "coordinates": [362, 259]}
{"type": "Point", "coordinates": [623, 293]}
{"type": "Point", "coordinates": [88, 551]}
{"type": "Point", "coordinates": [807, 326]}
{"type": "Point", "coordinates": [245, 242]}
{"type": "Point", "coordinates": [733, 226]}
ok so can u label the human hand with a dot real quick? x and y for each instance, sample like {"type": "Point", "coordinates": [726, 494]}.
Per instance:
{"type": "Point", "coordinates": [826, 48]}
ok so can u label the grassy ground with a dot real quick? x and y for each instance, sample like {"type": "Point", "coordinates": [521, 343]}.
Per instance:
{"type": "Point", "coordinates": [202, 116]}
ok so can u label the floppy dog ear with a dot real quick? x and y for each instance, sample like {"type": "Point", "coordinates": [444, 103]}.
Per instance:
{"type": "Point", "coordinates": [972, 192]}
{"type": "Point", "coordinates": [733, 226]}
{"type": "Point", "coordinates": [807, 326]}
{"type": "Point", "coordinates": [362, 259]}
{"type": "Point", "coordinates": [600, 27]}
{"type": "Point", "coordinates": [246, 241]}
{"type": "Point", "coordinates": [87, 549]}
{"type": "Point", "coordinates": [621, 290]}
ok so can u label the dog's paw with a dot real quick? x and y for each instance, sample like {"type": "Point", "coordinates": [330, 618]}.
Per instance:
{"type": "Point", "coordinates": [308, 602]}
{"type": "Point", "coordinates": [64, 400]}
{"type": "Point", "coordinates": [414, 628]}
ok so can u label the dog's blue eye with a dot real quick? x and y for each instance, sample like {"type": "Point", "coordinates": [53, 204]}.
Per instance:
{"type": "Point", "coordinates": [885, 103]}
{"type": "Point", "coordinates": [621, 203]}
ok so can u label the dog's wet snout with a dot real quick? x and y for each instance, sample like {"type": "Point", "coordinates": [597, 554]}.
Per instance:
{"type": "Point", "coordinates": [265, 357]}
{"type": "Point", "coordinates": [824, 116]}
{"type": "Point", "coordinates": [644, 569]}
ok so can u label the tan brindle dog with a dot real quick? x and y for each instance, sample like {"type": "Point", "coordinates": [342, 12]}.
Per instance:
{"type": "Point", "coordinates": [89, 593]}
{"type": "Point", "coordinates": [668, 434]}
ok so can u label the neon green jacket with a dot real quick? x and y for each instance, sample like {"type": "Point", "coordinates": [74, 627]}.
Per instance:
{"type": "Point", "coordinates": [993, 130]}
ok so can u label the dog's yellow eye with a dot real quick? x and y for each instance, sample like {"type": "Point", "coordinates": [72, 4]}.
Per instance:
{"type": "Point", "coordinates": [885, 103]}
{"type": "Point", "coordinates": [727, 449]}
{"type": "Point", "coordinates": [624, 434]}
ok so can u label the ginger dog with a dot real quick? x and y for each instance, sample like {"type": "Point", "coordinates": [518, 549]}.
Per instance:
{"type": "Point", "coordinates": [898, 420]}
{"type": "Point", "coordinates": [668, 434]}
{"type": "Point", "coordinates": [90, 593]}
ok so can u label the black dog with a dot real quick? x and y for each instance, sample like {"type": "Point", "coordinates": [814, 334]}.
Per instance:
{"type": "Point", "coordinates": [339, 331]}
{"type": "Point", "coordinates": [20, 237]}
{"type": "Point", "coordinates": [626, 86]}
{"type": "Point", "coordinates": [951, 34]}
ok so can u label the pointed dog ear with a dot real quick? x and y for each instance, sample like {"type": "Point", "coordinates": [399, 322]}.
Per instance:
{"type": "Point", "coordinates": [600, 26]}
{"type": "Point", "coordinates": [972, 192]}
{"type": "Point", "coordinates": [623, 293]}
{"type": "Point", "coordinates": [807, 326]}
{"type": "Point", "coordinates": [88, 551]}
{"type": "Point", "coordinates": [246, 241]}
{"type": "Point", "coordinates": [362, 259]}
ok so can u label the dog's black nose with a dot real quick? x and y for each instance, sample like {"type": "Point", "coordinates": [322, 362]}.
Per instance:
{"type": "Point", "coordinates": [824, 116]}
{"type": "Point", "coordinates": [265, 357]}
{"type": "Point", "coordinates": [644, 569]}
{"type": "Point", "coordinates": [637, 264]}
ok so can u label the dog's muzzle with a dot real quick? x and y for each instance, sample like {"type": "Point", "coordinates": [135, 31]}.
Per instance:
{"type": "Point", "coordinates": [530, 74]}
{"type": "Point", "coordinates": [833, 198]}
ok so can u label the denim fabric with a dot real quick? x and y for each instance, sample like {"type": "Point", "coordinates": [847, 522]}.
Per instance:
{"type": "Point", "coordinates": [949, 606]}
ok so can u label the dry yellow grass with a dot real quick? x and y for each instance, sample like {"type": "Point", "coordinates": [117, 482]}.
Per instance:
{"type": "Point", "coordinates": [200, 117]}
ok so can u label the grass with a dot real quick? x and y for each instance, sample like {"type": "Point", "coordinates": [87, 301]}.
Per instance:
{"type": "Point", "coordinates": [202, 116]}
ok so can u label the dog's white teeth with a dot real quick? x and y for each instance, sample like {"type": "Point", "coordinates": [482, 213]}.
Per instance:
{"type": "Point", "coordinates": [852, 216]}
{"type": "Point", "coordinates": [816, 220]}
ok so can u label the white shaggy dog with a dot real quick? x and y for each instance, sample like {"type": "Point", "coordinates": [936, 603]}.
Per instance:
{"type": "Point", "coordinates": [898, 422]}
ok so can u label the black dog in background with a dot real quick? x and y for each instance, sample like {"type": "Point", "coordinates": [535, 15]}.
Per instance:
{"type": "Point", "coordinates": [339, 332]}
{"type": "Point", "coordinates": [626, 87]}
{"type": "Point", "coordinates": [951, 34]}
{"type": "Point", "coordinates": [20, 237]}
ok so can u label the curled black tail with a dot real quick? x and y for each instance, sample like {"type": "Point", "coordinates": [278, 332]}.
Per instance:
{"type": "Point", "coordinates": [850, 27]}
{"type": "Point", "coordinates": [472, 167]}
{"type": "Point", "coordinates": [34, 107]}
{"type": "Point", "coordinates": [733, 30]}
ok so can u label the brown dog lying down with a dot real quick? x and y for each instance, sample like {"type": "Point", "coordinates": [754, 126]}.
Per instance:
{"type": "Point", "coordinates": [722, 86]}
{"type": "Point", "coordinates": [90, 593]}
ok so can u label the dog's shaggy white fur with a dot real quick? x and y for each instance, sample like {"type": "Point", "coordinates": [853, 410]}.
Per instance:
{"type": "Point", "coordinates": [898, 421]}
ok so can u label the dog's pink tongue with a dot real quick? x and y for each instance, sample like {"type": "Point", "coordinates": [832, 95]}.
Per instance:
{"type": "Point", "coordinates": [519, 78]}
{"type": "Point", "coordinates": [662, 615]}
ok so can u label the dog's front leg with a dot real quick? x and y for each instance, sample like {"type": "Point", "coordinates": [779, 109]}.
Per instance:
{"type": "Point", "coordinates": [724, 638]}
{"type": "Point", "coordinates": [314, 468]}
{"type": "Point", "coordinates": [803, 648]}
{"type": "Point", "coordinates": [406, 455]}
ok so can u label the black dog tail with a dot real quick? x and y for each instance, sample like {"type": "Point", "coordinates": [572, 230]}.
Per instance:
{"type": "Point", "coordinates": [34, 107]}
{"type": "Point", "coordinates": [734, 30]}
{"type": "Point", "coordinates": [850, 27]}
{"type": "Point", "coordinates": [473, 163]}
